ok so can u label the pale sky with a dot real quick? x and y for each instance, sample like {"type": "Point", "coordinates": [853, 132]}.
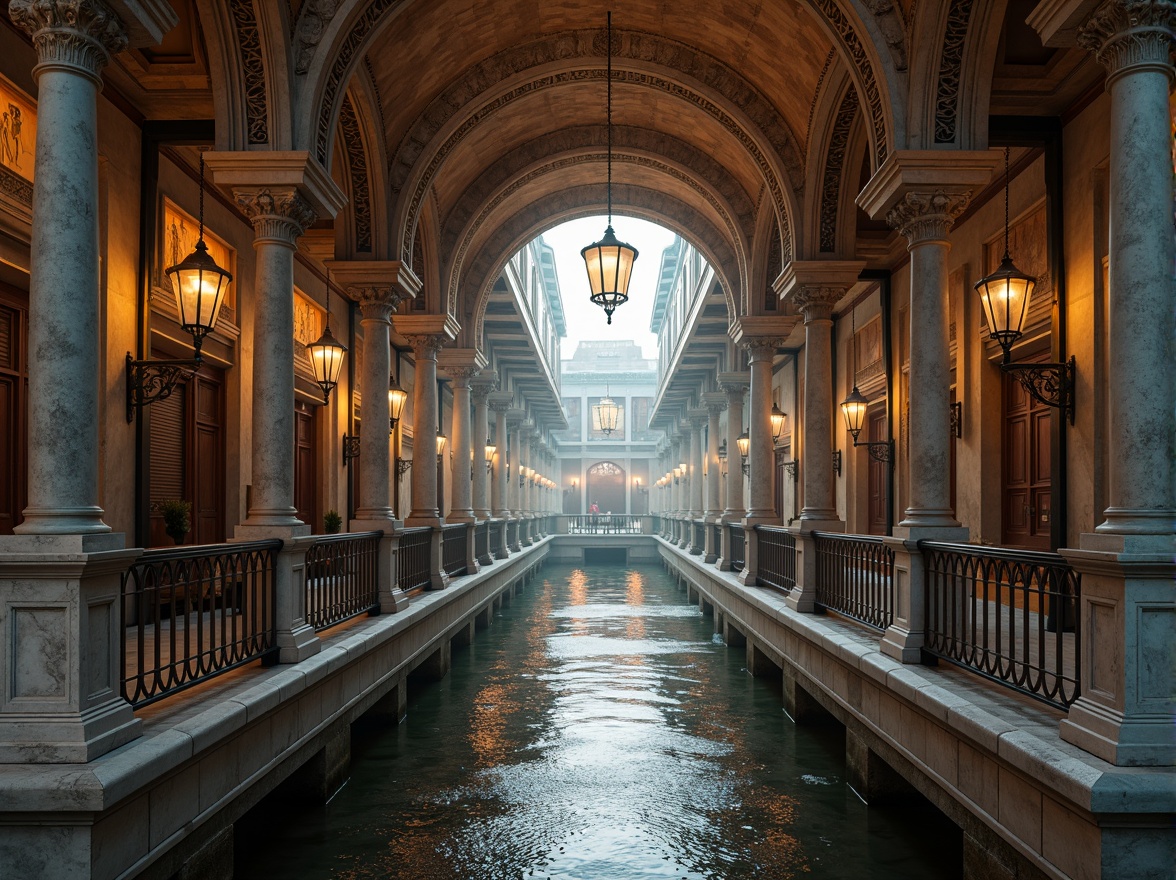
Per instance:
{"type": "Point", "coordinates": [585, 319]}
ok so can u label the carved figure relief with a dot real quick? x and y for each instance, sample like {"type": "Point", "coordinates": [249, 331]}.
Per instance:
{"type": "Point", "coordinates": [18, 139]}
{"type": "Point", "coordinates": [180, 233]}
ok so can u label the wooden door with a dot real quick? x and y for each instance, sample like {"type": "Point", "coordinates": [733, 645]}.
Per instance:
{"type": "Point", "coordinates": [1026, 455]}
{"type": "Point", "coordinates": [13, 409]}
{"type": "Point", "coordinates": [167, 459]}
{"type": "Point", "coordinates": [206, 473]}
{"type": "Point", "coordinates": [306, 466]}
{"type": "Point", "coordinates": [876, 474]}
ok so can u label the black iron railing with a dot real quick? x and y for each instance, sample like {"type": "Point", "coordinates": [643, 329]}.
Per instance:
{"type": "Point", "coordinates": [777, 558]}
{"type": "Point", "coordinates": [1009, 615]}
{"type": "Point", "coordinates": [738, 558]}
{"type": "Point", "coordinates": [605, 524]}
{"type": "Point", "coordinates": [412, 559]}
{"type": "Point", "coordinates": [191, 613]}
{"type": "Point", "coordinates": [342, 578]}
{"type": "Point", "coordinates": [454, 544]}
{"type": "Point", "coordinates": [482, 541]}
{"type": "Point", "coordinates": [855, 577]}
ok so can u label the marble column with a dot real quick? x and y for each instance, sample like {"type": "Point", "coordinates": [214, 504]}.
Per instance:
{"type": "Point", "coordinates": [376, 307]}
{"type": "Point", "coordinates": [279, 217]}
{"type": "Point", "coordinates": [698, 419]}
{"type": "Point", "coordinates": [74, 42]}
{"type": "Point", "coordinates": [925, 218]}
{"type": "Point", "coordinates": [1127, 612]}
{"type": "Point", "coordinates": [820, 505]}
{"type": "Point", "coordinates": [501, 404]}
{"type": "Point", "coordinates": [684, 527]}
{"type": "Point", "coordinates": [760, 354]}
{"type": "Point", "coordinates": [425, 348]}
{"type": "Point", "coordinates": [715, 403]}
{"type": "Point", "coordinates": [480, 391]}
{"type": "Point", "coordinates": [60, 573]}
{"type": "Point", "coordinates": [734, 385]}
{"type": "Point", "coordinates": [461, 497]}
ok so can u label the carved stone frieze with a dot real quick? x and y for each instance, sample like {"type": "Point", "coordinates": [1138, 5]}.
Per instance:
{"type": "Point", "coordinates": [345, 55]}
{"type": "Point", "coordinates": [1125, 34]}
{"type": "Point", "coordinates": [857, 52]}
{"type": "Point", "coordinates": [276, 214]}
{"type": "Point", "coordinates": [80, 34]}
{"type": "Point", "coordinates": [253, 69]}
{"type": "Point", "coordinates": [313, 18]}
{"type": "Point", "coordinates": [16, 187]}
{"type": "Point", "coordinates": [927, 216]}
{"type": "Point", "coordinates": [834, 165]}
{"type": "Point", "coordinates": [361, 198]}
{"type": "Point", "coordinates": [817, 96]}
{"type": "Point", "coordinates": [951, 56]}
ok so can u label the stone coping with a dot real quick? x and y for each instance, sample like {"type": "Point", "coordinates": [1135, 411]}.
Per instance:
{"type": "Point", "coordinates": [1016, 729]}
{"type": "Point", "coordinates": [177, 730]}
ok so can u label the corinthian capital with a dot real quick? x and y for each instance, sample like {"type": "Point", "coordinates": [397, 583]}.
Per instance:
{"type": "Point", "coordinates": [80, 35]}
{"type": "Point", "coordinates": [816, 303]}
{"type": "Point", "coordinates": [376, 303]}
{"type": "Point", "coordinates": [426, 345]}
{"type": "Point", "coordinates": [927, 216]}
{"type": "Point", "coordinates": [760, 348]}
{"type": "Point", "coordinates": [277, 214]}
{"type": "Point", "coordinates": [1131, 35]}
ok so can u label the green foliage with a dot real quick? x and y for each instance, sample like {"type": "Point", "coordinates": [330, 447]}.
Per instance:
{"type": "Point", "coordinates": [332, 522]}
{"type": "Point", "coordinates": [177, 517]}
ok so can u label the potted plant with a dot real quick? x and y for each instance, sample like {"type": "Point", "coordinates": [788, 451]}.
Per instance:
{"type": "Point", "coordinates": [177, 518]}
{"type": "Point", "coordinates": [332, 522]}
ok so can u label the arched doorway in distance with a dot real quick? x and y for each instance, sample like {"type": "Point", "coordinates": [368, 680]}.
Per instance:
{"type": "Point", "coordinates": [605, 485]}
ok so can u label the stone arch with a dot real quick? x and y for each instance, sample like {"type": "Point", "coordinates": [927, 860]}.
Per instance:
{"type": "Point", "coordinates": [836, 114]}
{"type": "Point", "coordinates": [247, 45]}
{"type": "Point", "coordinates": [951, 72]}
{"type": "Point", "coordinates": [362, 228]}
{"type": "Point", "coordinates": [879, 77]}
{"type": "Point", "coordinates": [415, 176]}
{"type": "Point", "coordinates": [499, 175]}
{"type": "Point", "coordinates": [514, 231]}
{"type": "Point", "coordinates": [766, 264]}
{"type": "Point", "coordinates": [518, 178]}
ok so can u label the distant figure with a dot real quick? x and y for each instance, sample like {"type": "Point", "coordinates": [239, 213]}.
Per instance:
{"type": "Point", "coordinates": [594, 509]}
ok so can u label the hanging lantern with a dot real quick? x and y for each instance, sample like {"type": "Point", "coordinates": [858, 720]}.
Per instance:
{"type": "Point", "coordinates": [326, 354]}
{"type": "Point", "coordinates": [854, 409]}
{"type": "Point", "coordinates": [778, 418]}
{"type": "Point", "coordinates": [199, 284]}
{"type": "Point", "coordinates": [488, 452]}
{"type": "Point", "coordinates": [397, 397]}
{"type": "Point", "coordinates": [1006, 293]}
{"type": "Point", "coordinates": [609, 261]}
{"type": "Point", "coordinates": [605, 415]}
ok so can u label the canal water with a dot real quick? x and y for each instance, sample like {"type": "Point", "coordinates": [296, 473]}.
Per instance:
{"type": "Point", "coordinates": [598, 730]}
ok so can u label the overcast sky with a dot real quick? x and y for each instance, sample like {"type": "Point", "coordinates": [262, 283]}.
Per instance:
{"type": "Point", "coordinates": [585, 319]}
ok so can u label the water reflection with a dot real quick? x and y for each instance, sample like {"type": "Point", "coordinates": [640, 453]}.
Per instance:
{"type": "Point", "coordinates": [594, 731]}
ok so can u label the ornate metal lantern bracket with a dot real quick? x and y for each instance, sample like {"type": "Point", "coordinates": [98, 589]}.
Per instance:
{"type": "Point", "coordinates": [402, 466]}
{"type": "Point", "coordinates": [149, 381]}
{"type": "Point", "coordinates": [1049, 384]}
{"type": "Point", "coordinates": [350, 447]}
{"type": "Point", "coordinates": [790, 467]}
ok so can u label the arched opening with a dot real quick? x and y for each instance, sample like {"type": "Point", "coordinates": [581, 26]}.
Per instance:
{"type": "Point", "coordinates": [605, 487]}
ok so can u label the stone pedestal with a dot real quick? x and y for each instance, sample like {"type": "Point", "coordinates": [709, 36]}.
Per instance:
{"type": "Point", "coordinates": [60, 618]}
{"type": "Point", "coordinates": [392, 598]}
{"type": "Point", "coordinates": [1127, 711]}
{"type": "Point", "coordinates": [904, 639]}
{"type": "Point", "coordinates": [803, 597]}
{"type": "Point", "coordinates": [296, 638]}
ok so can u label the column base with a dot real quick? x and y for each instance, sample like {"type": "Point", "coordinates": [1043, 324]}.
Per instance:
{"type": "Point", "coordinates": [931, 518]}
{"type": "Point", "coordinates": [63, 521]}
